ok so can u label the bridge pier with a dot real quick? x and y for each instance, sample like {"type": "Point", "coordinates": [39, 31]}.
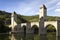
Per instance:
{"type": "Point", "coordinates": [42, 30]}
{"type": "Point", "coordinates": [58, 29]}
{"type": "Point", "coordinates": [28, 28]}
{"type": "Point", "coordinates": [42, 18]}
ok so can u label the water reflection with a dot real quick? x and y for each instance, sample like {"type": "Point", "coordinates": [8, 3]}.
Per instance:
{"type": "Point", "coordinates": [57, 38]}
{"type": "Point", "coordinates": [49, 36]}
{"type": "Point", "coordinates": [4, 37]}
{"type": "Point", "coordinates": [43, 37]}
{"type": "Point", "coordinates": [21, 36]}
{"type": "Point", "coordinates": [18, 37]}
{"type": "Point", "coordinates": [12, 37]}
{"type": "Point", "coordinates": [29, 36]}
{"type": "Point", "coordinates": [24, 37]}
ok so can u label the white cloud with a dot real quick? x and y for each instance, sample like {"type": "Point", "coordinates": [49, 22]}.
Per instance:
{"type": "Point", "coordinates": [32, 7]}
{"type": "Point", "coordinates": [37, 13]}
{"type": "Point", "coordinates": [29, 8]}
{"type": "Point", "coordinates": [57, 10]}
{"type": "Point", "coordinates": [58, 3]}
{"type": "Point", "coordinates": [51, 2]}
{"type": "Point", "coordinates": [51, 8]}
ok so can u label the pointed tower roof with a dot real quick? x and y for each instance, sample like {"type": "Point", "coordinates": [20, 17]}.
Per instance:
{"type": "Point", "coordinates": [14, 12]}
{"type": "Point", "coordinates": [43, 6]}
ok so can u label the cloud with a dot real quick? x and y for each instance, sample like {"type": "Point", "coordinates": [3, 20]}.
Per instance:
{"type": "Point", "coordinates": [51, 2]}
{"type": "Point", "coordinates": [51, 8]}
{"type": "Point", "coordinates": [57, 10]}
{"type": "Point", "coordinates": [58, 3]}
{"type": "Point", "coordinates": [50, 5]}
{"type": "Point", "coordinates": [30, 8]}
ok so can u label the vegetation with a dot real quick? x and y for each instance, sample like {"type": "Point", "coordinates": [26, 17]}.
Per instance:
{"type": "Point", "coordinates": [31, 18]}
{"type": "Point", "coordinates": [4, 16]}
{"type": "Point", "coordinates": [21, 18]}
{"type": "Point", "coordinates": [3, 28]}
{"type": "Point", "coordinates": [50, 28]}
{"type": "Point", "coordinates": [36, 18]}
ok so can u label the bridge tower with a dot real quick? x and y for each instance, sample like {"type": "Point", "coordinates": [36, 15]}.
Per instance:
{"type": "Point", "coordinates": [13, 21]}
{"type": "Point", "coordinates": [42, 18]}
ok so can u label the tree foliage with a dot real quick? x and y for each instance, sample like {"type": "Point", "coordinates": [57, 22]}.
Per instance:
{"type": "Point", "coordinates": [3, 28]}
{"type": "Point", "coordinates": [50, 28]}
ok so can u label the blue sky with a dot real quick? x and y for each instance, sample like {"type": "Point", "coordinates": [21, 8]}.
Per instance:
{"type": "Point", "coordinates": [30, 7]}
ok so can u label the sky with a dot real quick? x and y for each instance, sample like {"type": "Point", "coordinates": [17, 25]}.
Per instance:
{"type": "Point", "coordinates": [30, 7]}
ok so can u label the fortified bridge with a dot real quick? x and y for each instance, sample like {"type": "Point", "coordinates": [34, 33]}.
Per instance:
{"type": "Point", "coordinates": [41, 25]}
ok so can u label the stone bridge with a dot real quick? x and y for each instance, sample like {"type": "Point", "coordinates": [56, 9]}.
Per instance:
{"type": "Point", "coordinates": [41, 24]}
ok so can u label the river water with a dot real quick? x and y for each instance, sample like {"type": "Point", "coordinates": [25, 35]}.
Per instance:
{"type": "Point", "coordinates": [21, 36]}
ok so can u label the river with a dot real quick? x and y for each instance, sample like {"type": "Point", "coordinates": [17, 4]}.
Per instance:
{"type": "Point", "coordinates": [21, 36]}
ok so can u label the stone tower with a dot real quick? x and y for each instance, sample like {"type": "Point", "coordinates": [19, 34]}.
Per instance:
{"type": "Point", "coordinates": [13, 20]}
{"type": "Point", "coordinates": [43, 12]}
{"type": "Point", "coordinates": [42, 18]}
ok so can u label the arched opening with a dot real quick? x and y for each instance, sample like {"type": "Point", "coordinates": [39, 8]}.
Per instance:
{"type": "Point", "coordinates": [24, 28]}
{"type": "Point", "coordinates": [15, 28]}
{"type": "Point", "coordinates": [50, 28]}
{"type": "Point", "coordinates": [51, 31]}
{"type": "Point", "coordinates": [35, 29]}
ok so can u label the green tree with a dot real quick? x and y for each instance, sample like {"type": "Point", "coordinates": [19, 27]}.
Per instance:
{"type": "Point", "coordinates": [3, 28]}
{"type": "Point", "coordinates": [50, 28]}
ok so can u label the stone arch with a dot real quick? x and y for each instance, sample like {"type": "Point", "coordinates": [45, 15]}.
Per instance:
{"type": "Point", "coordinates": [54, 23]}
{"type": "Point", "coordinates": [35, 29]}
{"type": "Point", "coordinates": [50, 28]}
{"type": "Point", "coordinates": [15, 28]}
{"type": "Point", "coordinates": [35, 23]}
{"type": "Point", "coordinates": [24, 28]}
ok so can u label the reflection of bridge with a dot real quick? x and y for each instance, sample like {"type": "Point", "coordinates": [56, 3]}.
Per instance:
{"type": "Point", "coordinates": [33, 37]}
{"type": "Point", "coordinates": [41, 25]}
